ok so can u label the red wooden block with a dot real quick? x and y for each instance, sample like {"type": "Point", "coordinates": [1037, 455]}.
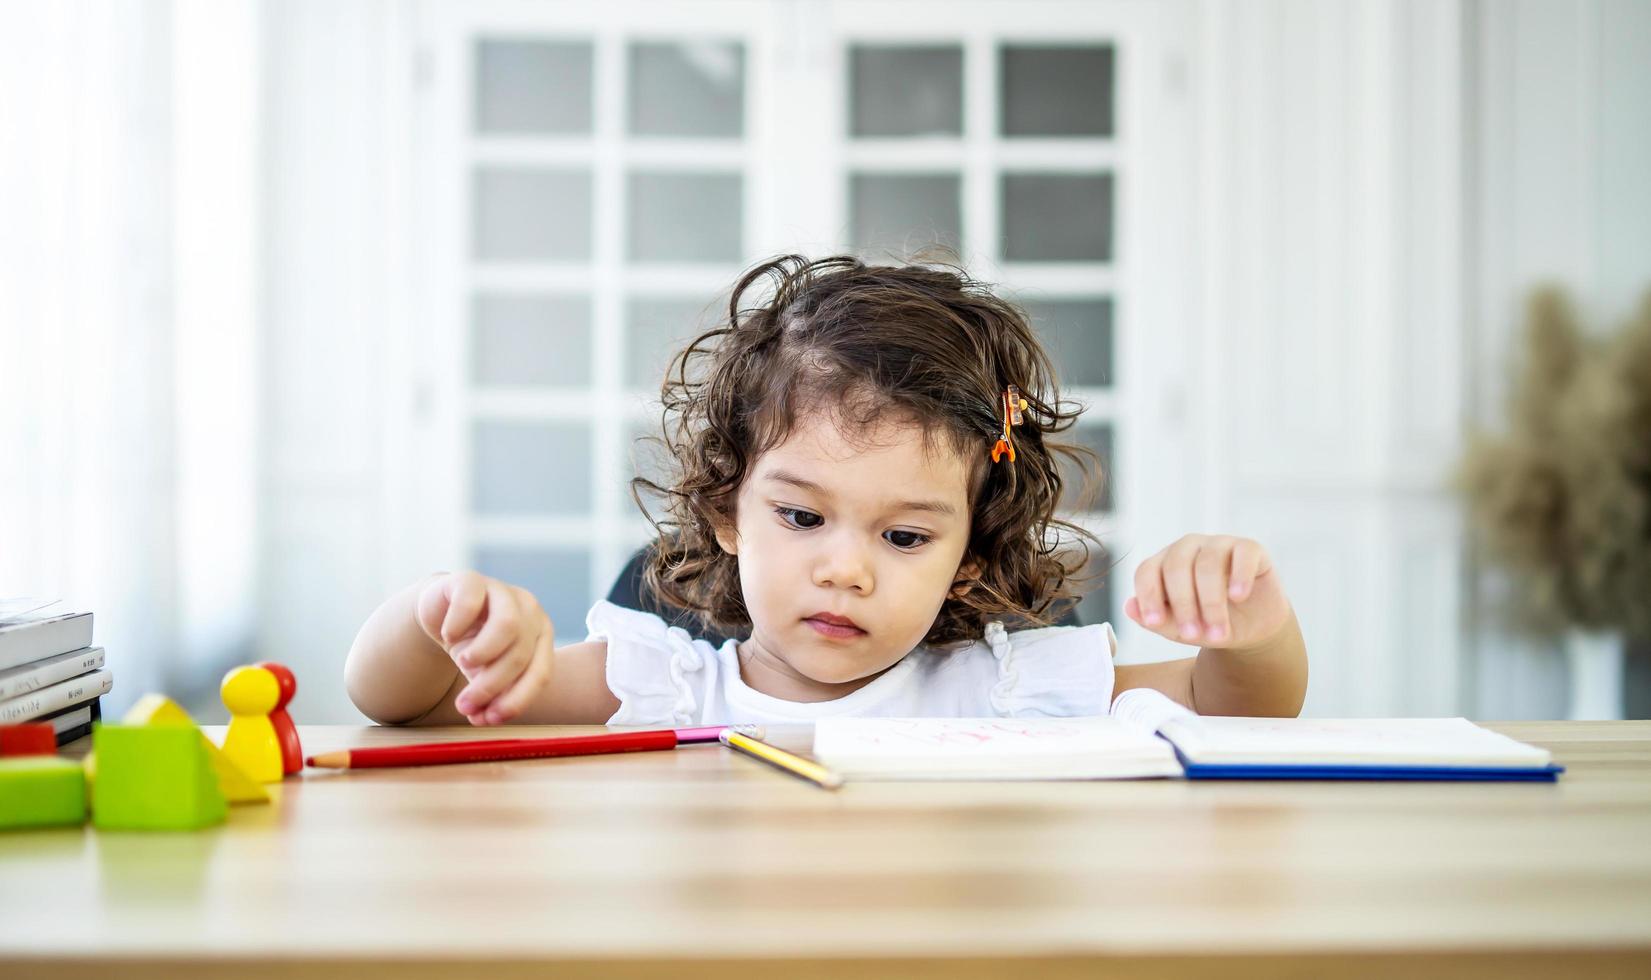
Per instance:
{"type": "Point", "coordinates": [34, 738]}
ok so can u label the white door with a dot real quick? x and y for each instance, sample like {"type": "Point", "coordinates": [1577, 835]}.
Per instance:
{"type": "Point", "coordinates": [589, 177]}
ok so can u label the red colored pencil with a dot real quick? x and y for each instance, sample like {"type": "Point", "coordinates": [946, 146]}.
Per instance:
{"type": "Point", "coordinates": [501, 749]}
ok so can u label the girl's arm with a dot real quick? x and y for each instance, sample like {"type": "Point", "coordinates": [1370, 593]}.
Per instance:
{"type": "Point", "coordinates": [1223, 592]}
{"type": "Point", "coordinates": [457, 647]}
{"type": "Point", "coordinates": [395, 673]}
{"type": "Point", "coordinates": [1269, 680]}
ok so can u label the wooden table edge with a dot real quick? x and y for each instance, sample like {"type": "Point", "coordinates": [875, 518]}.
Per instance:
{"type": "Point", "coordinates": [1497, 964]}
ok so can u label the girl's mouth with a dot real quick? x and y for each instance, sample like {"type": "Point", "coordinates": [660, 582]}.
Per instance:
{"type": "Point", "coordinates": [837, 627]}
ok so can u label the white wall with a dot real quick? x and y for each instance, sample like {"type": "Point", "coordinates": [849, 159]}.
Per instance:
{"type": "Point", "coordinates": [337, 82]}
{"type": "Point", "coordinates": [1383, 185]}
{"type": "Point", "coordinates": [1332, 331]}
{"type": "Point", "coordinates": [1561, 158]}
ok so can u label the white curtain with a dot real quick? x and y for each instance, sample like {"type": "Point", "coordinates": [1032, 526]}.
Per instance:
{"type": "Point", "coordinates": [122, 487]}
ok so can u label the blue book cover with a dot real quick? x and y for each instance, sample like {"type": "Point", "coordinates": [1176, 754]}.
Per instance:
{"type": "Point", "coordinates": [1396, 749]}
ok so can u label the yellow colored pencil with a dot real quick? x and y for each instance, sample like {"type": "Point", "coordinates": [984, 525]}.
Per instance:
{"type": "Point", "coordinates": [796, 765]}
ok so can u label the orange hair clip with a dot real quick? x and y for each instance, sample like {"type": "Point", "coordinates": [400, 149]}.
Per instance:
{"type": "Point", "coordinates": [1013, 406]}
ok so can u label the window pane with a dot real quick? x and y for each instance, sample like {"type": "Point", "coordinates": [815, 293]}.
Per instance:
{"type": "Point", "coordinates": [1057, 217]}
{"type": "Point", "coordinates": [1056, 91]}
{"type": "Point", "coordinates": [655, 328]}
{"type": "Point", "coordinates": [531, 339]}
{"type": "Point", "coordinates": [692, 89]}
{"type": "Point", "coordinates": [685, 217]}
{"type": "Point", "coordinates": [1078, 333]}
{"type": "Point", "coordinates": [530, 467]}
{"type": "Point", "coordinates": [533, 87]}
{"type": "Point", "coordinates": [559, 578]}
{"type": "Point", "coordinates": [1076, 493]}
{"type": "Point", "coordinates": [531, 214]}
{"type": "Point", "coordinates": [906, 91]}
{"type": "Point", "coordinates": [905, 212]}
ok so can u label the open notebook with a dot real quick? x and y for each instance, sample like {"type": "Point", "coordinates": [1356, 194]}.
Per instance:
{"type": "Point", "coordinates": [1147, 734]}
{"type": "Point", "coordinates": [990, 748]}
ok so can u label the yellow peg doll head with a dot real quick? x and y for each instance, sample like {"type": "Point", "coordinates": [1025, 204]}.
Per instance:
{"type": "Point", "coordinates": [250, 691]}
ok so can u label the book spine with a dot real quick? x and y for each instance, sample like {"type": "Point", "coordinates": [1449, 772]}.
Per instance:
{"type": "Point", "coordinates": [32, 678]}
{"type": "Point", "coordinates": [74, 721]}
{"type": "Point", "coordinates": [60, 695]}
{"type": "Point", "coordinates": [65, 718]}
{"type": "Point", "coordinates": [28, 642]}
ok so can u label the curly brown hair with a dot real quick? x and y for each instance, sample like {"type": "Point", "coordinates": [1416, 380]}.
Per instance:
{"type": "Point", "coordinates": [922, 343]}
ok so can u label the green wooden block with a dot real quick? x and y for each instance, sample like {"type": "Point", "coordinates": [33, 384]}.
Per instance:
{"type": "Point", "coordinates": [154, 777]}
{"type": "Point", "coordinates": [41, 791]}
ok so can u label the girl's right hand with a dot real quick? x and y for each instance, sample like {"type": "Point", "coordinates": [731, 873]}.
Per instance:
{"type": "Point", "coordinates": [498, 636]}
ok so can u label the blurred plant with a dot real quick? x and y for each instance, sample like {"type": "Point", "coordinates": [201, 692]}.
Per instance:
{"type": "Point", "coordinates": [1562, 502]}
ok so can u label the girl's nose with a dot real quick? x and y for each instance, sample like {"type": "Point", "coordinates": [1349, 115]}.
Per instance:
{"type": "Point", "coordinates": [844, 566]}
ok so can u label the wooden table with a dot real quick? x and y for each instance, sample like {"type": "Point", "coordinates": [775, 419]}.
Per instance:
{"type": "Point", "coordinates": [699, 862]}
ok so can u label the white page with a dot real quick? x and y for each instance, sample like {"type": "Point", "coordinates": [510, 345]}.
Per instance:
{"type": "Point", "coordinates": [1147, 709]}
{"type": "Point", "coordinates": [1349, 741]}
{"type": "Point", "coordinates": [1220, 740]}
{"type": "Point", "coordinates": [27, 610]}
{"type": "Point", "coordinates": [990, 748]}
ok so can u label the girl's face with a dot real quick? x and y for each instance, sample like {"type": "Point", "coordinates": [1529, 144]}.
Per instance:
{"type": "Point", "coordinates": [869, 531]}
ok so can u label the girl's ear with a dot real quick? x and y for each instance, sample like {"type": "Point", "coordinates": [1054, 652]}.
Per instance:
{"type": "Point", "coordinates": [728, 538]}
{"type": "Point", "coordinates": [967, 574]}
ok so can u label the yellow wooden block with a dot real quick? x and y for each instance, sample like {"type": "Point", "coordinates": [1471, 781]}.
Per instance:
{"type": "Point", "coordinates": [236, 785]}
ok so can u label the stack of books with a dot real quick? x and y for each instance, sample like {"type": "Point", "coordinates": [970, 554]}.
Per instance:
{"type": "Point", "coordinates": [49, 670]}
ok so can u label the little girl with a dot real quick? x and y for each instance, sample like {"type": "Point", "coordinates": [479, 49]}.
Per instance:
{"type": "Point", "coordinates": [865, 488]}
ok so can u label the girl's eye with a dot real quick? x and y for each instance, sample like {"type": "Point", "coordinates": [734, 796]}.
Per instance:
{"type": "Point", "coordinates": [906, 540]}
{"type": "Point", "coordinates": [804, 520]}
{"type": "Point", "coordinates": [799, 518]}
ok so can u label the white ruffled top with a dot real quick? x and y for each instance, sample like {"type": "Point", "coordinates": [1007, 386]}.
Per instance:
{"type": "Point", "coordinates": [662, 676]}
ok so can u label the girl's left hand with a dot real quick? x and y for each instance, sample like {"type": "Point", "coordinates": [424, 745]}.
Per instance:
{"type": "Point", "coordinates": [1210, 590]}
